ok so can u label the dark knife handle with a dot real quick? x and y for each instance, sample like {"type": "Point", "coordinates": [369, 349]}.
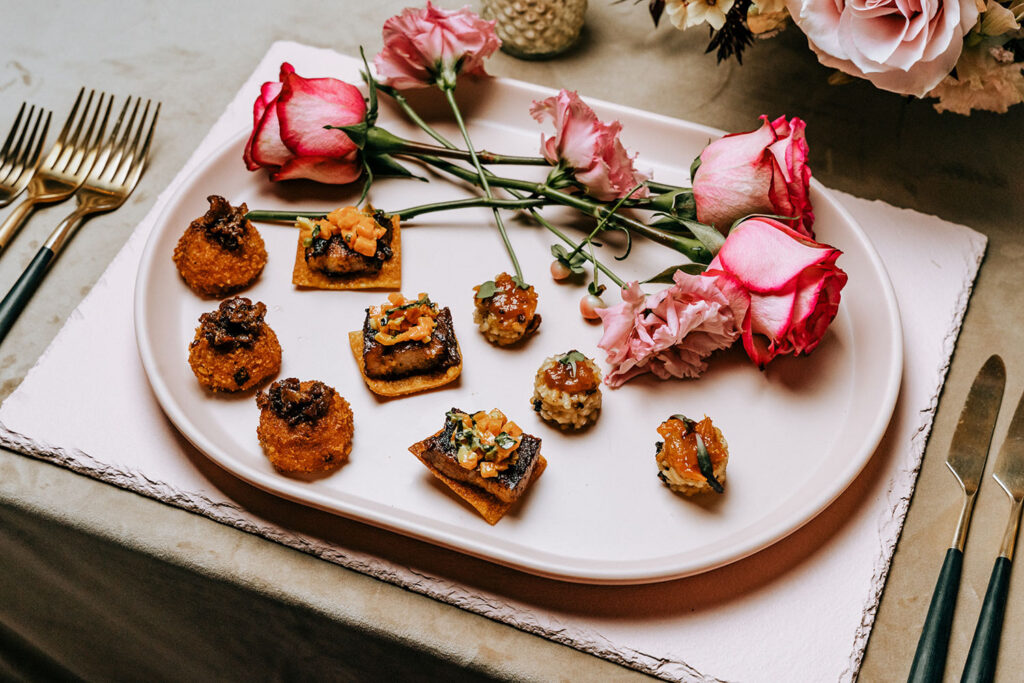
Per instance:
{"type": "Point", "coordinates": [981, 660]}
{"type": "Point", "coordinates": [23, 289]}
{"type": "Point", "coordinates": [930, 658]}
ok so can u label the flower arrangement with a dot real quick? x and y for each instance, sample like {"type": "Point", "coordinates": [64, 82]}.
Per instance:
{"type": "Point", "coordinates": [967, 54]}
{"type": "Point", "coordinates": [753, 270]}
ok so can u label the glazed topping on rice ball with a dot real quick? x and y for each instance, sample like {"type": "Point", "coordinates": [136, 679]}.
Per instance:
{"type": "Point", "coordinates": [693, 456]}
{"type": "Point", "coordinates": [295, 404]}
{"type": "Point", "coordinates": [505, 311]}
{"type": "Point", "coordinates": [236, 322]}
{"type": "Point", "coordinates": [485, 441]}
{"type": "Point", "coordinates": [567, 390]}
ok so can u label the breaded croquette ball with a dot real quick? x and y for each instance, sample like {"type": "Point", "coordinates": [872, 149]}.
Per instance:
{"type": "Point", "coordinates": [304, 426]}
{"type": "Point", "coordinates": [234, 349]}
{"type": "Point", "coordinates": [221, 252]}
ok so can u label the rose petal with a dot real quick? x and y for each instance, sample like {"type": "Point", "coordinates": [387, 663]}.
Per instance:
{"type": "Point", "coordinates": [321, 169]}
{"type": "Point", "coordinates": [306, 105]}
{"type": "Point", "coordinates": [765, 255]}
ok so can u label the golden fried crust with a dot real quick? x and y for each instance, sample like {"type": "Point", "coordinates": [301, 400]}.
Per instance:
{"type": "Point", "coordinates": [308, 447]}
{"type": "Point", "coordinates": [490, 507]}
{"type": "Point", "coordinates": [220, 370]}
{"type": "Point", "coordinates": [389, 276]}
{"type": "Point", "coordinates": [212, 271]}
{"type": "Point", "coordinates": [405, 385]}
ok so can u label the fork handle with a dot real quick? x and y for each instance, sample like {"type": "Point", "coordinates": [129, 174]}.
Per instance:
{"type": "Point", "coordinates": [14, 220]}
{"type": "Point", "coordinates": [23, 289]}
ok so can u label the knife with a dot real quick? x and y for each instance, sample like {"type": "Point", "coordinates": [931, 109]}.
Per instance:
{"type": "Point", "coordinates": [1009, 472]}
{"type": "Point", "coordinates": [966, 460]}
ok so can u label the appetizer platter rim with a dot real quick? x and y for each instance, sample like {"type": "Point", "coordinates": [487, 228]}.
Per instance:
{"type": "Point", "coordinates": [540, 563]}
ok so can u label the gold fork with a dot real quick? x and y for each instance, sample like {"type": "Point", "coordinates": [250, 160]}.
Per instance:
{"type": "Point", "coordinates": [18, 158]}
{"type": "Point", "coordinates": [66, 164]}
{"type": "Point", "coordinates": [112, 179]}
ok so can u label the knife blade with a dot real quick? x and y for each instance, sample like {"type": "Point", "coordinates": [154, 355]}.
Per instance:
{"type": "Point", "coordinates": [1009, 472]}
{"type": "Point", "coordinates": [966, 460]}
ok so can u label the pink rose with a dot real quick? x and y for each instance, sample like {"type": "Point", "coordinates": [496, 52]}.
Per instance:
{"type": "Point", "coordinates": [763, 171]}
{"type": "Point", "coordinates": [792, 284]}
{"type": "Point", "coordinates": [905, 47]}
{"type": "Point", "coordinates": [423, 47]}
{"type": "Point", "coordinates": [590, 148]}
{"type": "Point", "coordinates": [669, 333]}
{"type": "Point", "coordinates": [288, 134]}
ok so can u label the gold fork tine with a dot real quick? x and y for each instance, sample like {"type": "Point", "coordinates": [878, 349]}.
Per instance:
{"type": "Point", "coordinates": [110, 182]}
{"type": "Point", "coordinates": [18, 157]}
{"type": "Point", "coordinates": [68, 161]}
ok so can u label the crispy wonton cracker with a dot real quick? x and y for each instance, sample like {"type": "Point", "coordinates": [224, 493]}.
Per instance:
{"type": "Point", "coordinates": [405, 385]}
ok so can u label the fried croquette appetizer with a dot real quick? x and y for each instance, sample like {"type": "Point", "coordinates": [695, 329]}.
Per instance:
{"type": "Point", "coordinates": [406, 346]}
{"type": "Point", "coordinates": [234, 349]}
{"type": "Point", "coordinates": [221, 252]}
{"type": "Point", "coordinates": [567, 390]}
{"type": "Point", "coordinates": [505, 312]}
{"type": "Point", "coordinates": [349, 249]}
{"type": "Point", "coordinates": [484, 458]}
{"type": "Point", "coordinates": [304, 427]}
{"type": "Point", "coordinates": [693, 456]}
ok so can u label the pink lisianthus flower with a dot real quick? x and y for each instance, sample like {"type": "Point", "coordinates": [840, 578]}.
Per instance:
{"type": "Point", "coordinates": [791, 282]}
{"type": "Point", "coordinates": [763, 171]}
{"type": "Point", "coordinates": [669, 333]}
{"type": "Point", "coordinates": [588, 147]}
{"type": "Point", "coordinates": [424, 47]}
{"type": "Point", "coordinates": [288, 135]}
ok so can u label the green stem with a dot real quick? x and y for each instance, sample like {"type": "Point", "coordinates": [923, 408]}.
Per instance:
{"type": "Point", "coordinates": [690, 247]}
{"type": "Point", "coordinates": [449, 94]}
{"type": "Point", "coordinates": [403, 103]}
{"type": "Point", "coordinates": [663, 187]}
{"type": "Point", "coordinates": [405, 214]}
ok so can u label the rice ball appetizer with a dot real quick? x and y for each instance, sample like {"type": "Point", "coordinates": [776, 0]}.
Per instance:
{"type": "Point", "coordinates": [220, 252]}
{"type": "Point", "coordinates": [304, 427]}
{"type": "Point", "coordinates": [567, 390]}
{"type": "Point", "coordinates": [505, 312]}
{"type": "Point", "coordinates": [234, 349]}
{"type": "Point", "coordinates": [693, 456]}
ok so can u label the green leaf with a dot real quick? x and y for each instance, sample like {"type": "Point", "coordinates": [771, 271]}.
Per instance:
{"type": "Point", "coordinates": [520, 282]}
{"type": "Point", "coordinates": [385, 166]}
{"type": "Point", "coordinates": [706, 467]}
{"type": "Point", "coordinates": [573, 261]}
{"type": "Point", "coordinates": [571, 358]}
{"type": "Point", "coordinates": [356, 132]}
{"type": "Point", "coordinates": [486, 290]}
{"type": "Point", "coordinates": [596, 289]}
{"type": "Point", "coordinates": [707, 234]}
{"type": "Point", "coordinates": [371, 82]}
{"type": "Point", "coordinates": [665, 276]}
{"type": "Point", "coordinates": [679, 203]}
{"type": "Point", "coordinates": [774, 217]}
{"type": "Point", "coordinates": [694, 166]}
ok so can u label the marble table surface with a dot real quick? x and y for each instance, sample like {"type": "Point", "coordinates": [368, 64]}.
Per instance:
{"type": "Point", "coordinates": [192, 55]}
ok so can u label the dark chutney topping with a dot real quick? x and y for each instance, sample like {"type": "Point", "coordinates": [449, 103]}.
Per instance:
{"type": "Point", "coordinates": [295, 404]}
{"type": "Point", "coordinates": [236, 322]}
{"type": "Point", "coordinates": [223, 223]}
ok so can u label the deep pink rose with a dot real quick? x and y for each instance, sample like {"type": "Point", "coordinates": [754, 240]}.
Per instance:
{"type": "Point", "coordinates": [587, 146]}
{"type": "Point", "coordinates": [288, 135]}
{"type": "Point", "coordinates": [792, 283]}
{"type": "Point", "coordinates": [906, 46]}
{"type": "Point", "coordinates": [763, 171]}
{"type": "Point", "coordinates": [432, 45]}
{"type": "Point", "coordinates": [669, 333]}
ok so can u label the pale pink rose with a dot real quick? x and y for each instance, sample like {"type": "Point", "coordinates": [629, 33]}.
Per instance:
{"type": "Point", "coordinates": [288, 135]}
{"type": "Point", "coordinates": [906, 46]}
{"type": "Point", "coordinates": [763, 171]}
{"type": "Point", "coordinates": [432, 45]}
{"type": "Point", "coordinates": [588, 147]}
{"type": "Point", "coordinates": [669, 333]}
{"type": "Point", "coordinates": [792, 284]}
